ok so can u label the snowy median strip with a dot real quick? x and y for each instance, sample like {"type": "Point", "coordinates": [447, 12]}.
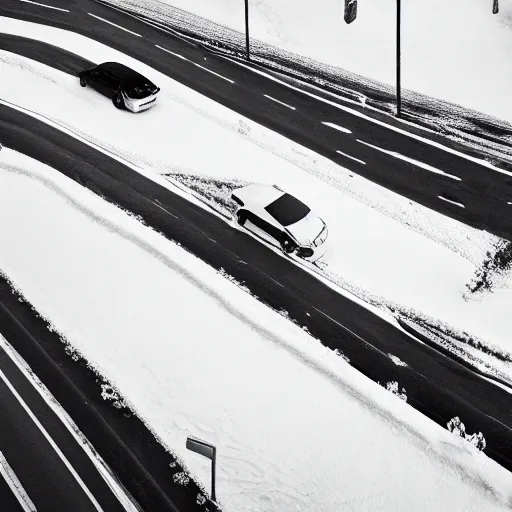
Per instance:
{"type": "Point", "coordinates": [280, 102]}
{"type": "Point", "coordinates": [194, 63]}
{"type": "Point", "coordinates": [45, 5]}
{"type": "Point", "coordinates": [113, 24]}
{"type": "Point", "coordinates": [411, 160]}
{"type": "Point", "coordinates": [193, 354]}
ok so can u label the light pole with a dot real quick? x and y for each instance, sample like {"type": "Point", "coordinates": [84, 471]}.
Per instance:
{"type": "Point", "coordinates": [248, 56]}
{"type": "Point", "coordinates": [398, 58]}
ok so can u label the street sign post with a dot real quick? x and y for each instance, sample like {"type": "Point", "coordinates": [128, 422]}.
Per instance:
{"type": "Point", "coordinates": [206, 450]}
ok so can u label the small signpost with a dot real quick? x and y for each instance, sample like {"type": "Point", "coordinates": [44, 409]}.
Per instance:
{"type": "Point", "coordinates": [206, 450]}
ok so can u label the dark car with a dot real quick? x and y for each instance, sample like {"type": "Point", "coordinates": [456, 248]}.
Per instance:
{"type": "Point", "coordinates": [127, 88]}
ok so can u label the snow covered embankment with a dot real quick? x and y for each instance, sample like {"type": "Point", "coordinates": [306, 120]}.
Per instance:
{"type": "Point", "coordinates": [294, 424]}
{"type": "Point", "coordinates": [423, 261]}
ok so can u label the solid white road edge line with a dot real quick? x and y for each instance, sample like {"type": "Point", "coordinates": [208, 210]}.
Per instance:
{"type": "Point", "coordinates": [44, 5]}
{"type": "Point", "coordinates": [15, 485]}
{"type": "Point", "coordinates": [280, 102]}
{"type": "Point", "coordinates": [410, 160]}
{"type": "Point", "coordinates": [195, 64]}
{"type": "Point", "coordinates": [113, 24]}
{"type": "Point", "coordinates": [105, 472]}
{"type": "Point", "coordinates": [356, 113]}
{"type": "Point", "coordinates": [352, 157]}
{"type": "Point", "coordinates": [51, 442]}
{"type": "Point", "coordinates": [452, 202]}
{"type": "Point", "coordinates": [337, 127]}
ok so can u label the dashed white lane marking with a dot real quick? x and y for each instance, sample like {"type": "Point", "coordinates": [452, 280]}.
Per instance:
{"type": "Point", "coordinates": [356, 113]}
{"type": "Point", "coordinates": [15, 485]}
{"type": "Point", "coordinates": [44, 5]}
{"type": "Point", "coordinates": [450, 201]}
{"type": "Point", "coordinates": [156, 202]}
{"type": "Point", "coordinates": [352, 157]}
{"type": "Point", "coordinates": [51, 442]}
{"type": "Point", "coordinates": [113, 24]}
{"type": "Point", "coordinates": [280, 102]}
{"type": "Point", "coordinates": [337, 127]}
{"type": "Point", "coordinates": [195, 64]}
{"type": "Point", "coordinates": [411, 161]}
{"type": "Point", "coordinates": [106, 473]}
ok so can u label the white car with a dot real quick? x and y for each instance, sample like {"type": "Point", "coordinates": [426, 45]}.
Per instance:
{"type": "Point", "coordinates": [280, 218]}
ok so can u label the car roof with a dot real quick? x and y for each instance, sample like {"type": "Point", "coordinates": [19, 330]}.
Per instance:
{"type": "Point", "coordinates": [121, 71]}
{"type": "Point", "coordinates": [262, 194]}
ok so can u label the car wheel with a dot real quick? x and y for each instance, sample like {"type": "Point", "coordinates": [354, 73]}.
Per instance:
{"type": "Point", "coordinates": [83, 83]}
{"type": "Point", "coordinates": [241, 217]}
{"type": "Point", "coordinates": [288, 245]}
{"type": "Point", "coordinates": [118, 101]}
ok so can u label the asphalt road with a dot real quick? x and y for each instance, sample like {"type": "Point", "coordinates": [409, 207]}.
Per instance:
{"type": "Point", "coordinates": [436, 385]}
{"type": "Point", "coordinates": [483, 192]}
{"type": "Point", "coordinates": [52, 467]}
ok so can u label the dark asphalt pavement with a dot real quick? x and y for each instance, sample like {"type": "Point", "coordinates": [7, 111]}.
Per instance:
{"type": "Point", "coordinates": [436, 385]}
{"type": "Point", "coordinates": [53, 481]}
{"type": "Point", "coordinates": [483, 192]}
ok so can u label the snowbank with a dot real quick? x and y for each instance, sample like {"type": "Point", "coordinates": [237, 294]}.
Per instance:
{"type": "Point", "coordinates": [457, 51]}
{"type": "Point", "coordinates": [380, 243]}
{"type": "Point", "coordinates": [297, 429]}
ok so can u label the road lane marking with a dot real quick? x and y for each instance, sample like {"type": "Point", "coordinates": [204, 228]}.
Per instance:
{"type": "Point", "coordinates": [44, 5]}
{"type": "Point", "coordinates": [51, 442]}
{"type": "Point", "coordinates": [106, 473]}
{"type": "Point", "coordinates": [337, 127]}
{"type": "Point", "coordinates": [450, 201]}
{"type": "Point", "coordinates": [156, 202]}
{"type": "Point", "coordinates": [411, 161]}
{"type": "Point", "coordinates": [15, 485]}
{"type": "Point", "coordinates": [352, 157]}
{"type": "Point", "coordinates": [194, 63]}
{"type": "Point", "coordinates": [356, 113]}
{"type": "Point", "coordinates": [113, 24]}
{"type": "Point", "coordinates": [280, 102]}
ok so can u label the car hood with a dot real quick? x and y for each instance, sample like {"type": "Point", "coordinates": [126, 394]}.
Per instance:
{"type": "Point", "coordinates": [307, 229]}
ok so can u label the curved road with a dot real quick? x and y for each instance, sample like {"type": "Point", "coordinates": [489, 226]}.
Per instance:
{"type": "Point", "coordinates": [397, 160]}
{"type": "Point", "coordinates": [436, 385]}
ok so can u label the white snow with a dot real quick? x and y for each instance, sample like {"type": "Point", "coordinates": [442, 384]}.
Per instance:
{"type": "Point", "coordinates": [458, 50]}
{"type": "Point", "coordinates": [381, 244]}
{"type": "Point", "coordinates": [296, 428]}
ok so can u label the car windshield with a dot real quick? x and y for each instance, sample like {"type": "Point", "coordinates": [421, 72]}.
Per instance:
{"type": "Point", "coordinates": [139, 90]}
{"type": "Point", "coordinates": [287, 210]}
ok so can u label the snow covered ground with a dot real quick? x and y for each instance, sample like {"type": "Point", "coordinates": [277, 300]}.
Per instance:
{"type": "Point", "coordinates": [458, 50]}
{"type": "Point", "coordinates": [382, 247]}
{"type": "Point", "coordinates": [324, 438]}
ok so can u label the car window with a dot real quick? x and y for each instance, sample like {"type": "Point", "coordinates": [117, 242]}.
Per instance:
{"type": "Point", "coordinates": [287, 210]}
{"type": "Point", "coordinates": [139, 90]}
